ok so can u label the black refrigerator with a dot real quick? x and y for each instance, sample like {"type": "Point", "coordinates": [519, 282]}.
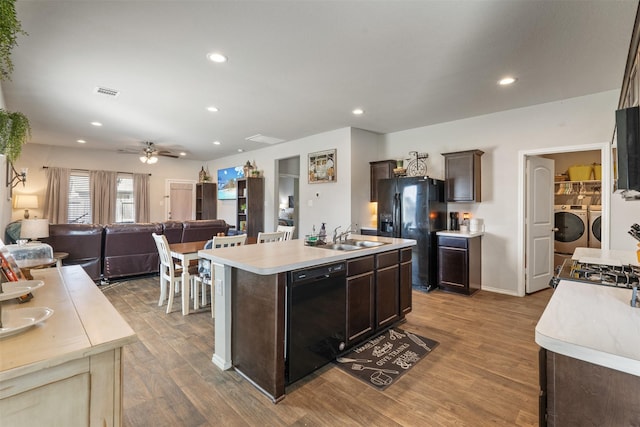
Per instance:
{"type": "Point", "coordinates": [414, 208]}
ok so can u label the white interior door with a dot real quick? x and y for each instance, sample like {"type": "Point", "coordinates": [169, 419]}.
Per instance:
{"type": "Point", "coordinates": [539, 223]}
{"type": "Point", "coordinates": [180, 204]}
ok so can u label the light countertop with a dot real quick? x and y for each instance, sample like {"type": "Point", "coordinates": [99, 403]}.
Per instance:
{"type": "Point", "coordinates": [593, 323]}
{"type": "Point", "coordinates": [278, 257]}
{"type": "Point", "coordinates": [457, 233]}
{"type": "Point", "coordinates": [83, 323]}
{"type": "Point", "coordinates": [606, 256]}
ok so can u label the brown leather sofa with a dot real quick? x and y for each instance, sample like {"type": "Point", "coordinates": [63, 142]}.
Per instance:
{"type": "Point", "coordinates": [129, 250]}
{"type": "Point", "coordinates": [204, 229]}
{"type": "Point", "coordinates": [120, 250]}
{"type": "Point", "coordinates": [83, 243]}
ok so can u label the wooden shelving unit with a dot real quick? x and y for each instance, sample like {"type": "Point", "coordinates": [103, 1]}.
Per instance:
{"type": "Point", "coordinates": [250, 206]}
{"type": "Point", "coordinates": [206, 200]}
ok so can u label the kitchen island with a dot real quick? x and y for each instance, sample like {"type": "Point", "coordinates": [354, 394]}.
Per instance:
{"type": "Point", "coordinates": [66, 370]}
{"type": "Point", "coordinates": [590, 351]}
{"type": "Point", "coordinates": [250, 285]}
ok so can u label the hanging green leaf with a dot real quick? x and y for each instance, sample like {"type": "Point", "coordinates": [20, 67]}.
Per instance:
{"type": "Point", "coordinates": [10, 28]}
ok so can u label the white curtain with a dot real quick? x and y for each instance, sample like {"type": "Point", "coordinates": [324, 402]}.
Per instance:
{"type": "Point", "coordinates": [56, 199]}
{"type": "Point", "coordinates": [141, 197]}
{"type": "Point", "coordinates": [103, 186]}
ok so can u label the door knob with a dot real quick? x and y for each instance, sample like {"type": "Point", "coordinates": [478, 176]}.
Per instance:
{"type": "Point", "coordinates": [554, 229]}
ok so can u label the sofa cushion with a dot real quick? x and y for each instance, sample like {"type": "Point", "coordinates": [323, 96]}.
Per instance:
{"type": "Point", "coordinates": [203, 229]}
{"type": "Point", "coordinates": [83, 243]}
{"type": "Point", "coordinates": [129, 249]}
{"type": "Point", "coordinates": [173, 231]}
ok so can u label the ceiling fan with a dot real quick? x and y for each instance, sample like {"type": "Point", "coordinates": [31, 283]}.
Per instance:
{"type": "Point", "coordinates": [150, 153]}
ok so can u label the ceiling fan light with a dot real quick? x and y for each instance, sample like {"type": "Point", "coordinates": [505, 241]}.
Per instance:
{"type": "Point", "coordinates": [152, 160]}
{"type": "Point", "coordinates": [143, 159]}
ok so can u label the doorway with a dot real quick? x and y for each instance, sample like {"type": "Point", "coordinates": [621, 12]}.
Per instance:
{"type": "Point", "coordinates": [180, 200]}
{"type": "Point", "coordinates": [525, 199]}
{"type": "Point", "coordinates": [287, 193]}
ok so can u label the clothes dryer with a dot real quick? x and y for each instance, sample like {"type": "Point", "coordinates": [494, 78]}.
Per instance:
{"type": "Point", "coordinates": [595, 226]}
{"type": "Point", "coordinates": [571, 223]}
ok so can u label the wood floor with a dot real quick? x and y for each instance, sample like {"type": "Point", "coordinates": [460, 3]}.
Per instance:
{"type": "Point", "coordinates": [484, 372]}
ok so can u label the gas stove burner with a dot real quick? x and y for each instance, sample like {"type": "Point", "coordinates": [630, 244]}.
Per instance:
{"type": "Point", "coordinates": [623, 276]}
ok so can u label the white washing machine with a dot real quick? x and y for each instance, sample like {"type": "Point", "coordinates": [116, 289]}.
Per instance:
{"type": "Point", "coordinates": [572, 222]}
{"type": "Point", "coordinates": [595, 226]}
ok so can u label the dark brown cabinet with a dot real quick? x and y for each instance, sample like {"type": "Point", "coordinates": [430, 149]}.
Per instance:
{"type": "Point", "coordinates": [206, 200]}
{"type": "Point", "coordinates": [250, 206]}
{"type": "Point", "coordinates": [405, 281]}
{"type": "Point", "coordinates": [378, 292]}
{"type": "Point", "coordinates": [387, 288]}
{"type": "Point", "coordinates": [459, 264]}
{"type": "Point", "coordinates": [382, 169]}
{"type": "Point", "coordinates": [463, 176]}
{"type": "Point", "coordinates": [578, 393]}
{"type": "Point", "coordinates": [360, 298]}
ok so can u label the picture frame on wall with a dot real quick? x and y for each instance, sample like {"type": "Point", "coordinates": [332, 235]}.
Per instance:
{"type": "Point", "coordinates": [322, 166]}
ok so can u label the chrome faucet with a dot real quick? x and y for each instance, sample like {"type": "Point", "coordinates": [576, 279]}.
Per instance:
{"type": "Point", "coordinates": [338, 237]}
{"type": "Point", "coordinates": [335, 234]}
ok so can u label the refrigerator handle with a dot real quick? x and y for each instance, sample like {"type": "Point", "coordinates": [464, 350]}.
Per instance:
{"type": "Point", "coordinates": [396, 215]}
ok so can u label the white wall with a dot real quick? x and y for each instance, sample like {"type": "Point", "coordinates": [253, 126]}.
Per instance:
{"type": "Point", "coordinates": [325, 202]}
{"type": "Point", "coordinates": [583, 120]}
{"type": "Point", "coordinates": [35, 156]}
{"type": "Point", "coordinates": [365, 148]}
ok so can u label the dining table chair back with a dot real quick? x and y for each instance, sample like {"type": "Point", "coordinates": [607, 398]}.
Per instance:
{"type": "Point", "coordinates": [170, 274]}
{"type": "Point", "coordinates": [228, 241]}
{"type": "Point", "coordinates": [276, 236]}
{"type": "Point", "coordinates": [205, 276]}
{"type": "Point", "coordinates": [288, 231]}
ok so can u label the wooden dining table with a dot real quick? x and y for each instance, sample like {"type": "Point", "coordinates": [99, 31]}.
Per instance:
{"type": "Point", "coordinates": [186, 252]}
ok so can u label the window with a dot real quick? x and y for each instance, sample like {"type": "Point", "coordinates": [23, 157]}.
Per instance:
{"type": "Point", "coordinates": [79, 211]}
{"type": "Point", "coordinates": [125, 208]}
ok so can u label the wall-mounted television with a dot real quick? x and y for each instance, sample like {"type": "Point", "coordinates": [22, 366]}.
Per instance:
{"type": "Point", "coordinates": [227, 182]}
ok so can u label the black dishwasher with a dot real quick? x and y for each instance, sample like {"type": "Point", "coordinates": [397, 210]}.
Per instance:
{"type": "Point", "coordinates": [316, 318]}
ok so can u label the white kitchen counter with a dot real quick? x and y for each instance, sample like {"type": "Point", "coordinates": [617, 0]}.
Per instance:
{"type": "Point", "coordinates": [606, 255]}
{"type": "Point", "coordinates": [593, 323]}
{"type": "Point", "coordinates": [293, 254]}
{"type": "Point", "coordinates": [457, 233]}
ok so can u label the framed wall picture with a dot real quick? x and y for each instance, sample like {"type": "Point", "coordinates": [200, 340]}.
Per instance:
{"type": "Point", "coordinates": [322, 166]}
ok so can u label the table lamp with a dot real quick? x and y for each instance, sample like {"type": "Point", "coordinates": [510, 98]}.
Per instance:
{"type": "Point", "coordinates": [26, 202]}
{"type": "Point", "coordinates": [34, 229]}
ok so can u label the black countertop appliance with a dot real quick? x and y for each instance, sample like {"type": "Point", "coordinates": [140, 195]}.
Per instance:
{"type": "Point", "coordinates": [414, 208]}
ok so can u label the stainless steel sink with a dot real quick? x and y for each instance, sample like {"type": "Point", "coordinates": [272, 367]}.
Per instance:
{"type": "Point", "coordinates": [341, 247]}
{"type": "Point", "coordinates": [352, 245]}
{"type": "Point", "coordinates": [364, 243]}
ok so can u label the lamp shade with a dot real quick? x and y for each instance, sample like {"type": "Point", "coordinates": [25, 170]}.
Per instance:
{"type": "Point", "coordinates": [34, 228]}
{"type": "Point", "coordinates": [25, 201]}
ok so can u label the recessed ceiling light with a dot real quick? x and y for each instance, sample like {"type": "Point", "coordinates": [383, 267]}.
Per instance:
{"type": "Point", "coordinates": [212, 109]}
{"type": "Point", "coordinates": [507, 81]}
{"type": "Point", "coordinates": [358, 111]}
{"type": "Point", "coordinates": [240, 150]}
{"type": "Point", "coordinates": [81, 141]}
{"type": "Point", "coordinates": [216, 142]}
{"type": "Point", "coordinates": [216, 57]}
{"type": "Point", "coordinates": [96, 124]}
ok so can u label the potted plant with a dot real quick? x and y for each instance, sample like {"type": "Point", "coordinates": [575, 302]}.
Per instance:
{"type": "Point", "coordinates": [14, 133]}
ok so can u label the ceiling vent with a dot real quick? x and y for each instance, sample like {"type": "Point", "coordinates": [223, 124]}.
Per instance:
{"type": "Point", "coordinates": [106, 91]}
{"type": "Point", "coordinates": [264, 139]}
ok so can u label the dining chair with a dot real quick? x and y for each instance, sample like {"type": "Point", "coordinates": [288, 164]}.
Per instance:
{"type": "Point", "coordinates": [170, 273]}
{"type": "Point", "coordinates": [276, 236]}
{"type": "Point", "coordinates": [205, 272]}
{"type": "Point", "coordinates": [288, 231]}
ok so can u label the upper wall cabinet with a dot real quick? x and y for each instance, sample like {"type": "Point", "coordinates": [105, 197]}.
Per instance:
{"type": "Point", "coordinates": [382, 169]}
{"type": "Point", "coordinates": [462, 176]}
